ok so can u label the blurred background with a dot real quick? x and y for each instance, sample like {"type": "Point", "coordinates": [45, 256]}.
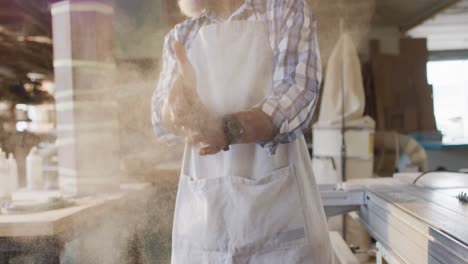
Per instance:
{"type": "Point", "coordinates": [76, 78]}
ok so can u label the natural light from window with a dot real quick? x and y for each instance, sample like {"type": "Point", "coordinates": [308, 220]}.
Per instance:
{"type": "Point", "coordinates": [450, 84]}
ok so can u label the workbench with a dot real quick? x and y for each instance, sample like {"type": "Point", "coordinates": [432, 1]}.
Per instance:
{"type": "Point", "coordinates": [44, 234]}
{"type": "Point", "coordinates": [412, 224]}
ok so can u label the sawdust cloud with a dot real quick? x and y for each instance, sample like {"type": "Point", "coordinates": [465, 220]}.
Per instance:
{"type": "Point", "coordinates": [138, 48]}
{"type": "Point", "coordinates": [139, 151]}
{"type": "Point", "coordinates": [356, 16]}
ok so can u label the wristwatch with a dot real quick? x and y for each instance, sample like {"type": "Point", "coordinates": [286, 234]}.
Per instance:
{"type": "Point", "coordinates": [233, 130]}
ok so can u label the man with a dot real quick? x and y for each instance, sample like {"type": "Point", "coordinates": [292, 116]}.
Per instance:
{"type": "Point", "coordinates": [241, 98]}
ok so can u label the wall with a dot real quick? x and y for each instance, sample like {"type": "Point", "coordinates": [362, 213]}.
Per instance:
{"type": "Point", "coordinates": [140, 27]}
{"type": "Point", "coordinates": [141, 24]}
{"type": "Point", "coordinates": [356, 16]}
{"type": "Point", "coordinates": [389, 38]}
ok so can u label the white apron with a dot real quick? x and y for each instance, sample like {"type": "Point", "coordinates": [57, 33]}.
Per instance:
{"type": "Point", "coordinates": [245, 206]}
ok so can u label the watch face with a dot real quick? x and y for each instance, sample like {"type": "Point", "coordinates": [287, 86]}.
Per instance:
{"type": "Point", "coordinates": [233, 129]}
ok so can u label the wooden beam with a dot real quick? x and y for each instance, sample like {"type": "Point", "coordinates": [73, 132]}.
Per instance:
{"type": "Point", "coordinates": [427, 14]}
{"type": "Point", "coordinates": [448, 55]}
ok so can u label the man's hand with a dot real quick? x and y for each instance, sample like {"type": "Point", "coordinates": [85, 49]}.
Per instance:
{"type": "Point", "coordinates": [212, 138]}
{"type": "Point", "coordinates": [182, 108]}
{"type": "Point", "coordinates": [257, 126]}
{"type": "Point", "coordinates": [185, 114]}
{"type": "Point", "coordinates": [186, 73]}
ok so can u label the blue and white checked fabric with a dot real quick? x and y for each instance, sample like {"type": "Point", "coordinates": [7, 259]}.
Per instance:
{"type": "Point", "coordinates": [298, 69]}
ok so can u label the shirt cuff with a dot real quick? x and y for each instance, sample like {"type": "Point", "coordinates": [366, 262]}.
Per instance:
{"type": "Point", "coordinates": [271, 108]}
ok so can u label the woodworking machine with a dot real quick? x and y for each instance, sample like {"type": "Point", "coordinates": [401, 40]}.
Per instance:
{"type": "Point", "coordinates": [415, 218]}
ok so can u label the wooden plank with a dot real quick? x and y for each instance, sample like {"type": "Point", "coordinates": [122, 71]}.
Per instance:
{"type": "Point", "coordinates": [87, 211]}
{"type": "Point", "coordinates": [409, 238]}
{"type": "Point", "coordinates": [455, 247]}
{"type": "Point", "coordinates": [390, 235]}
{"type": "Point", "coordinates": [400, 83]}
{"type": "Point", "coordinates": [425, 237]}
{"type": "Point", "coordinates": [444, 197]}
{"type": "Point", "coordinates": [52, 222]}
{"type": "Point", "coordinates": [342, 251]}
{"type": "Point", "coordinates": [437, 216]}
{"type": "Point", "coordinates": [389, 221]}
{"type": "Point", "coordinates": [441, 198]}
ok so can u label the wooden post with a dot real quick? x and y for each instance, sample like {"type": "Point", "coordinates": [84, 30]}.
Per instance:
{"type": "Point", "coordinates": [87, 124]}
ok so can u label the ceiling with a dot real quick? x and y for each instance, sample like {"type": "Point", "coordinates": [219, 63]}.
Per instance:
{"type": "Point", "coordinates": [25, 29]}
{"type": "Point", "coordinates": [447, 30]}
{"type": "Point", "coordinates": [404, 13]}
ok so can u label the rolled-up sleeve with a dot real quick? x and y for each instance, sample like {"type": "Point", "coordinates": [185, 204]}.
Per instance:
{"type": "Point", "coordinates": [297, 73]}
{"type": "Point", "coordinates": [166, 78]}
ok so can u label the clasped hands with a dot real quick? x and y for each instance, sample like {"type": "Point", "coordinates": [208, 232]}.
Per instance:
{"type": "Point", "coordinates": [184, 113]}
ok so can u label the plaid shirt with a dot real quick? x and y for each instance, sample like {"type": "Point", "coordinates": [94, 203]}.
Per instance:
{"type": "Point", "coordinates": [297, 74]}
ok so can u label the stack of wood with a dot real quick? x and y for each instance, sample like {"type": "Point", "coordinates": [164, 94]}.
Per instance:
{"type": "Point", "coordinates": [403, 99]}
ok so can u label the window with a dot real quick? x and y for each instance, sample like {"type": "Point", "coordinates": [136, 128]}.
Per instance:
{"type": "Point", "coordinates": [450, 83]}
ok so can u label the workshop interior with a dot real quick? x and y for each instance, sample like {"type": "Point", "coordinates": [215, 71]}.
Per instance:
{"type": "Point", "coordinates": [83, 179]}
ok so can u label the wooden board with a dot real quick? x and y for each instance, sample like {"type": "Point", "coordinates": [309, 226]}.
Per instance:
{"type": "Point", "coordinates": [439, 210]}
{"type": "Point", "coordinates": [418, 225]}
{"type": "Point", "coordinates": [343, 253]}
{"type": "Point", "coordinates": [403, 96]}
{"type": "Point", "coordinates": [88, 210]}
{"type": "Point", "coordinates": [410, 239]}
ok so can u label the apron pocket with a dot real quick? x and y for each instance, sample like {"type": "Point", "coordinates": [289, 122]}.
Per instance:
{"type": "Point", "coordinates": [240, 215]}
